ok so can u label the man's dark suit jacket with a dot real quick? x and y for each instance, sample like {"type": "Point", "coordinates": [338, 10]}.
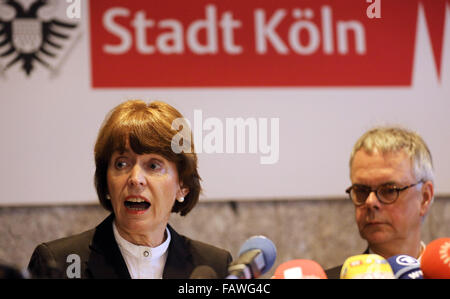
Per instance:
{"type": "Point", "coordinates": [101, 258]}
{"type": "Point", "coordinates": [334, 273]}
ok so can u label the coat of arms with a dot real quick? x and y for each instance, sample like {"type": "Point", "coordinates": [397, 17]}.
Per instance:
{"type": "Point", "coordinates": [30, 35]}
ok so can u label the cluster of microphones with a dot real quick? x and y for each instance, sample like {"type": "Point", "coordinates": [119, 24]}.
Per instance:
{"type": "Point", "coordinates": [257, 256]}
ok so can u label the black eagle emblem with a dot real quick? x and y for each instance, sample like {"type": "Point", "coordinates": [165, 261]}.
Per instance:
{"type": "Point", "coordinates": [27, 38]}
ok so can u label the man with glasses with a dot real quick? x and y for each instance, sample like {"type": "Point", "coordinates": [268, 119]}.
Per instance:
{"type": "Point", "coordinates": [392, 190]}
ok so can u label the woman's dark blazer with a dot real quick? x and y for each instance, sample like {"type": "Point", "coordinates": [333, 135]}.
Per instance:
{"type": "Point", "coordinates": [100, 256]}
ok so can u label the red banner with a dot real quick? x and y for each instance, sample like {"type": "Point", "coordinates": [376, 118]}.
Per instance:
{"type": "Point", "coordinates": [254, 43]}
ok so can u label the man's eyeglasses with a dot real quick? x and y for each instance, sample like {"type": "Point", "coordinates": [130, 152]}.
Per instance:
{"type": "Point", "coordinates": [386, 194]}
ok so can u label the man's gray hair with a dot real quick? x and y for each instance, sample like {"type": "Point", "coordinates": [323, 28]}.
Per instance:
{"type": "Point", "coordinates": [392, 139]}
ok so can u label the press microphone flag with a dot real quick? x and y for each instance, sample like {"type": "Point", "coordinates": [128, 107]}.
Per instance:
{"type": "Point", "coordinates": [256, 256]}
{"type": "Point", "coordinates": [366, 266]}
{"type": "Point", "coordinates": [435, 260]}
{"type": "Point", "coordinates": [299, 269]}
{"type": "Point", "coordinates": [405, 267]}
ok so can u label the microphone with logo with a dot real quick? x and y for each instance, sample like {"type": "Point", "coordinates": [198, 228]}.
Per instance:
{"type": "Point", "coordinates": [435, 260]}
{"type": "Point", "coordinates": [405, 267]}
{"type": "Point", "coordinates": [256, 256]}
{"type": "Point", "coordinates": [366, 266]}
{"type": "Point", "coordinates": [203, 272]}
{"type": "Point", "coordinates": [299, 269]}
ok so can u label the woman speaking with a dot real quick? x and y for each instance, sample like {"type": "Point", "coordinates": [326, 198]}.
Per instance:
{"type": "Point", "coordinates": [141, 180]}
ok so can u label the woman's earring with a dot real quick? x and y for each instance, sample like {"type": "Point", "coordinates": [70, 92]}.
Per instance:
{"type": "Point", "coordinates": [108, 197]}
{"type": "Point", "coordinates": [181, 199]}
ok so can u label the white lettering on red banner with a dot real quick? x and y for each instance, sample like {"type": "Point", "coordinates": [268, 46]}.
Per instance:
{"type": "Point", "coordinates": [257, 43]}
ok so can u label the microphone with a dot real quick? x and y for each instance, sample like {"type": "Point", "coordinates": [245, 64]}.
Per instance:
{"type": "Point", "coordinates": [366, 266]}
{"type": "Point", "coordinates": [203, 272]}
{"type": "Point", "coordinates": [405, 267]}
{"type": "Point", "coordinates": [435, 260]}
{"type": "Point", "coordinates": [299, 269]}
{"type": "Point", "coordinates": [10, 272]}
{"type": "Point", "coordinates": [256, 256]}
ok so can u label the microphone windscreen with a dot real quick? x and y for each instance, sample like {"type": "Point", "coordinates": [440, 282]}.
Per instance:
{"type": "Point", "coordinates": [435, 260]}
{"type": "Point", "coordinates": [10, 272]}
{"type": "Point", "coordinates": [366, 266]}
{"type": "Point", "coordinates": [203, 272]}
{"type": "Point", "coordinates": [267, 247]}
{"type": "Point", "coordinates": [299, 269]}
{"type": "Point", "coordinates": [405, 267]}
